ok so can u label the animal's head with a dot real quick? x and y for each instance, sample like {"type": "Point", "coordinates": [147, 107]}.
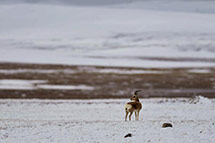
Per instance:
{"type": "Point", "coordinates": [135, 96]}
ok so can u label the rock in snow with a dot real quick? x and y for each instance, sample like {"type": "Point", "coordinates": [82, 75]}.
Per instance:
{"type": "Point", "coordinates": [165, 125]}
{"type": "Point", "coordinates": [128, 135]}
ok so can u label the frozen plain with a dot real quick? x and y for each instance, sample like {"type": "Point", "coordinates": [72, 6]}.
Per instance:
{"type": "Point", "coordinates": [102, 121]}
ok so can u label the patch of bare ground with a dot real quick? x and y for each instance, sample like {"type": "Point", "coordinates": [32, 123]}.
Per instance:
{"type": "Point", "coordinates": [109, 82]}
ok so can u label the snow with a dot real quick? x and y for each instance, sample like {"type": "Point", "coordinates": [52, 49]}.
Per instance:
{"type": "Point", "coordinates": [66, 87]}
{"type": "Point", "coordinates": [15, 71]}
{"type": "Point", "coordinates": [19, 84]}
{"type": "Point", "coordinates": [199, 71]}
{"type": "Point", "coordinates": [193, 6]}
{"type": "Point", "coordinates": [200, 100]}
{"type": "Point", "coordinates": [88, 69]}
{"type": "Point", "coordinates": [121, 34]}
{"type": "Point", "coordinates": [103, 121]}
{"type": "Point", "coordinates": [121, 71]}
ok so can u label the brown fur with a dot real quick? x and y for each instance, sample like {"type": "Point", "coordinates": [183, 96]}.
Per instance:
{"type": "Point", "coordinates": [135, 105]}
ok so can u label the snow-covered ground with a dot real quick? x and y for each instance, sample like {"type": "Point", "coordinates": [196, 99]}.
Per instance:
{"type": "Point", "coordinates": [17, 84]}
{"type": "Point", "coordinates": [90, 70]}
{"type": "Point", "coordinates": [102, 121]}
{"type": "Point", "coordinates": [131, 34]}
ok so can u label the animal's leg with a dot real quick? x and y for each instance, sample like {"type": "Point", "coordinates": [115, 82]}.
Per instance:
{"type": "Point", "coordinates": [126, 115]}
{"type": "Point", "coordinates": [136, 115]}
{"type": "Point", "coordinates": [130, 116]}
{"type": "Point", "coordinates": [138, 112]}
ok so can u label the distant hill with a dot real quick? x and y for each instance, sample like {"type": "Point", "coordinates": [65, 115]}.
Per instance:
{"type": "Point", "coordinates": [91, 2]}
{"type": "Point", "coordinates": [73, 2]}
{"type": "Point", "coordinates": [196, 6]}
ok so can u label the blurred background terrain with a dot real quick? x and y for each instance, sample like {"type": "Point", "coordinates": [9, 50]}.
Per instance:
{"type": "Point", "coordinates": [82, 49]}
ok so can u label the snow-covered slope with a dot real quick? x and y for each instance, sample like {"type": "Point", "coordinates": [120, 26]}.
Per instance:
{"type": "Point", "coordinates": [128, 34]}
{"type": "Point", "coordinates": [70, 2]}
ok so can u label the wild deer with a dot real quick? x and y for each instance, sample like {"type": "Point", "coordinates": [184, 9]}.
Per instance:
{"type": "Point", "coordinates": [133, 106]}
